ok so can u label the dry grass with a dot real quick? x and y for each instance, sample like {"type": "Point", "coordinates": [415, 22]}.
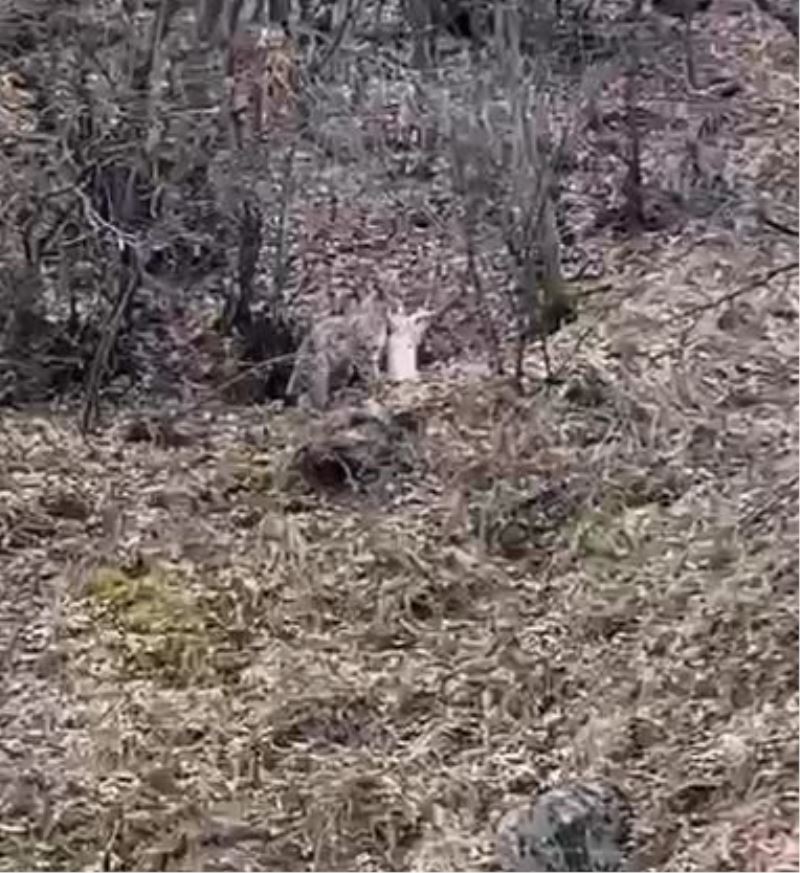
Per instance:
{"type": "Point", "coordinates": [203, 667]}
{"type": "Point", "coordinates": [370, 685]}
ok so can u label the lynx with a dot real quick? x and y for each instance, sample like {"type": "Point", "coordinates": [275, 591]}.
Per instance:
{"type": "Point", "coordinates": [337, 348]}
{"type": "Point", "coordinates": [575, 826]}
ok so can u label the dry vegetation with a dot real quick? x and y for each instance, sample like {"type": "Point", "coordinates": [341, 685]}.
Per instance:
{"type": "Point", "coordinates": [211, 669]}
{"type": "Point", "coordinates": [213, 659]}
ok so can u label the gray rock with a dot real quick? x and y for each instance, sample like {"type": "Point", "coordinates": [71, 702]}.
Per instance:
{"type": "Point", "coordinates": [574, 826]}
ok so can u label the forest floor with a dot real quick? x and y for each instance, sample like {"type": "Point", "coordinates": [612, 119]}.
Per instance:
{"type": "Point", "coordinates": [207, 665]}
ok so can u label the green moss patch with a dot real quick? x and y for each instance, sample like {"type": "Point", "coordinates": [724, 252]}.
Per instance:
{"type": "Point", "coordinates": [152, 624]}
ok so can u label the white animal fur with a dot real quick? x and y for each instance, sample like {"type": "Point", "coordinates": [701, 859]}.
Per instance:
{"type": "Point", "coordinates": [405, 335]}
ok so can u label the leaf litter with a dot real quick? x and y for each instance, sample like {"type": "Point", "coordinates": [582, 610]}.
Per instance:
{"type": "Point", "coordinates": [370, 683]}
{"type": "Point", "coordinates": [212, 663]}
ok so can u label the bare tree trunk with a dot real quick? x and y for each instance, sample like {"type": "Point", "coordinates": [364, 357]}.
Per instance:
{"type": "Point", "coordinates": [688, 47]}
{"type": "Point", "coordinates": [421, 16]}
{"type": "Point", "coordinates": [632, 186]}
{"type": "Point", "coordinates": [130, 276]}
{"type": "Point", "coordinates": [282, 260]}
{"type": "Point", "coordinates": [278, 11]}
{"type": "Point", "coordinates": [549, 266]}
{"type": "Point", "coordinates": [209, 19]}
{"type": "Point", "coordinates": [166, 13]}
{"type": "Point", "coordinates": [238, 312]}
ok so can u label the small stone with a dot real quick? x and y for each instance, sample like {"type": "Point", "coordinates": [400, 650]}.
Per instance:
{"type": "Point", "coordinates": [575, 826]}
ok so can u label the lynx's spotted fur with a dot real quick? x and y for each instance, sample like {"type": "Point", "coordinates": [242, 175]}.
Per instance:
{"type": "Point", "coordinates": [575, 826]}
{"type": "Point", "coordinates": [337, 348]}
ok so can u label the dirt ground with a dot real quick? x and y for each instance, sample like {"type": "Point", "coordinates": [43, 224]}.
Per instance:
{"type": "Point", "coordinates": [209, 668]}
{"type": "Point", "coordinates": [208, 665]}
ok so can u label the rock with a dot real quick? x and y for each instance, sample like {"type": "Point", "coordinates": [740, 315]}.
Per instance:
{"type": "Point", "coordinates": [584, 825]}
{"type": "Point", "coordinates": [353, 449]}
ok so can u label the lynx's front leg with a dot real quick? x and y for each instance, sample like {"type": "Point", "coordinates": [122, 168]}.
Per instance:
{"type": "Point", "coordinates": [320, 381]}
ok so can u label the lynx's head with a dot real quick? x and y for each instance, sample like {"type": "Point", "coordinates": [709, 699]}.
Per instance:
{"type": "Point", "coordinates": [371, 319]}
